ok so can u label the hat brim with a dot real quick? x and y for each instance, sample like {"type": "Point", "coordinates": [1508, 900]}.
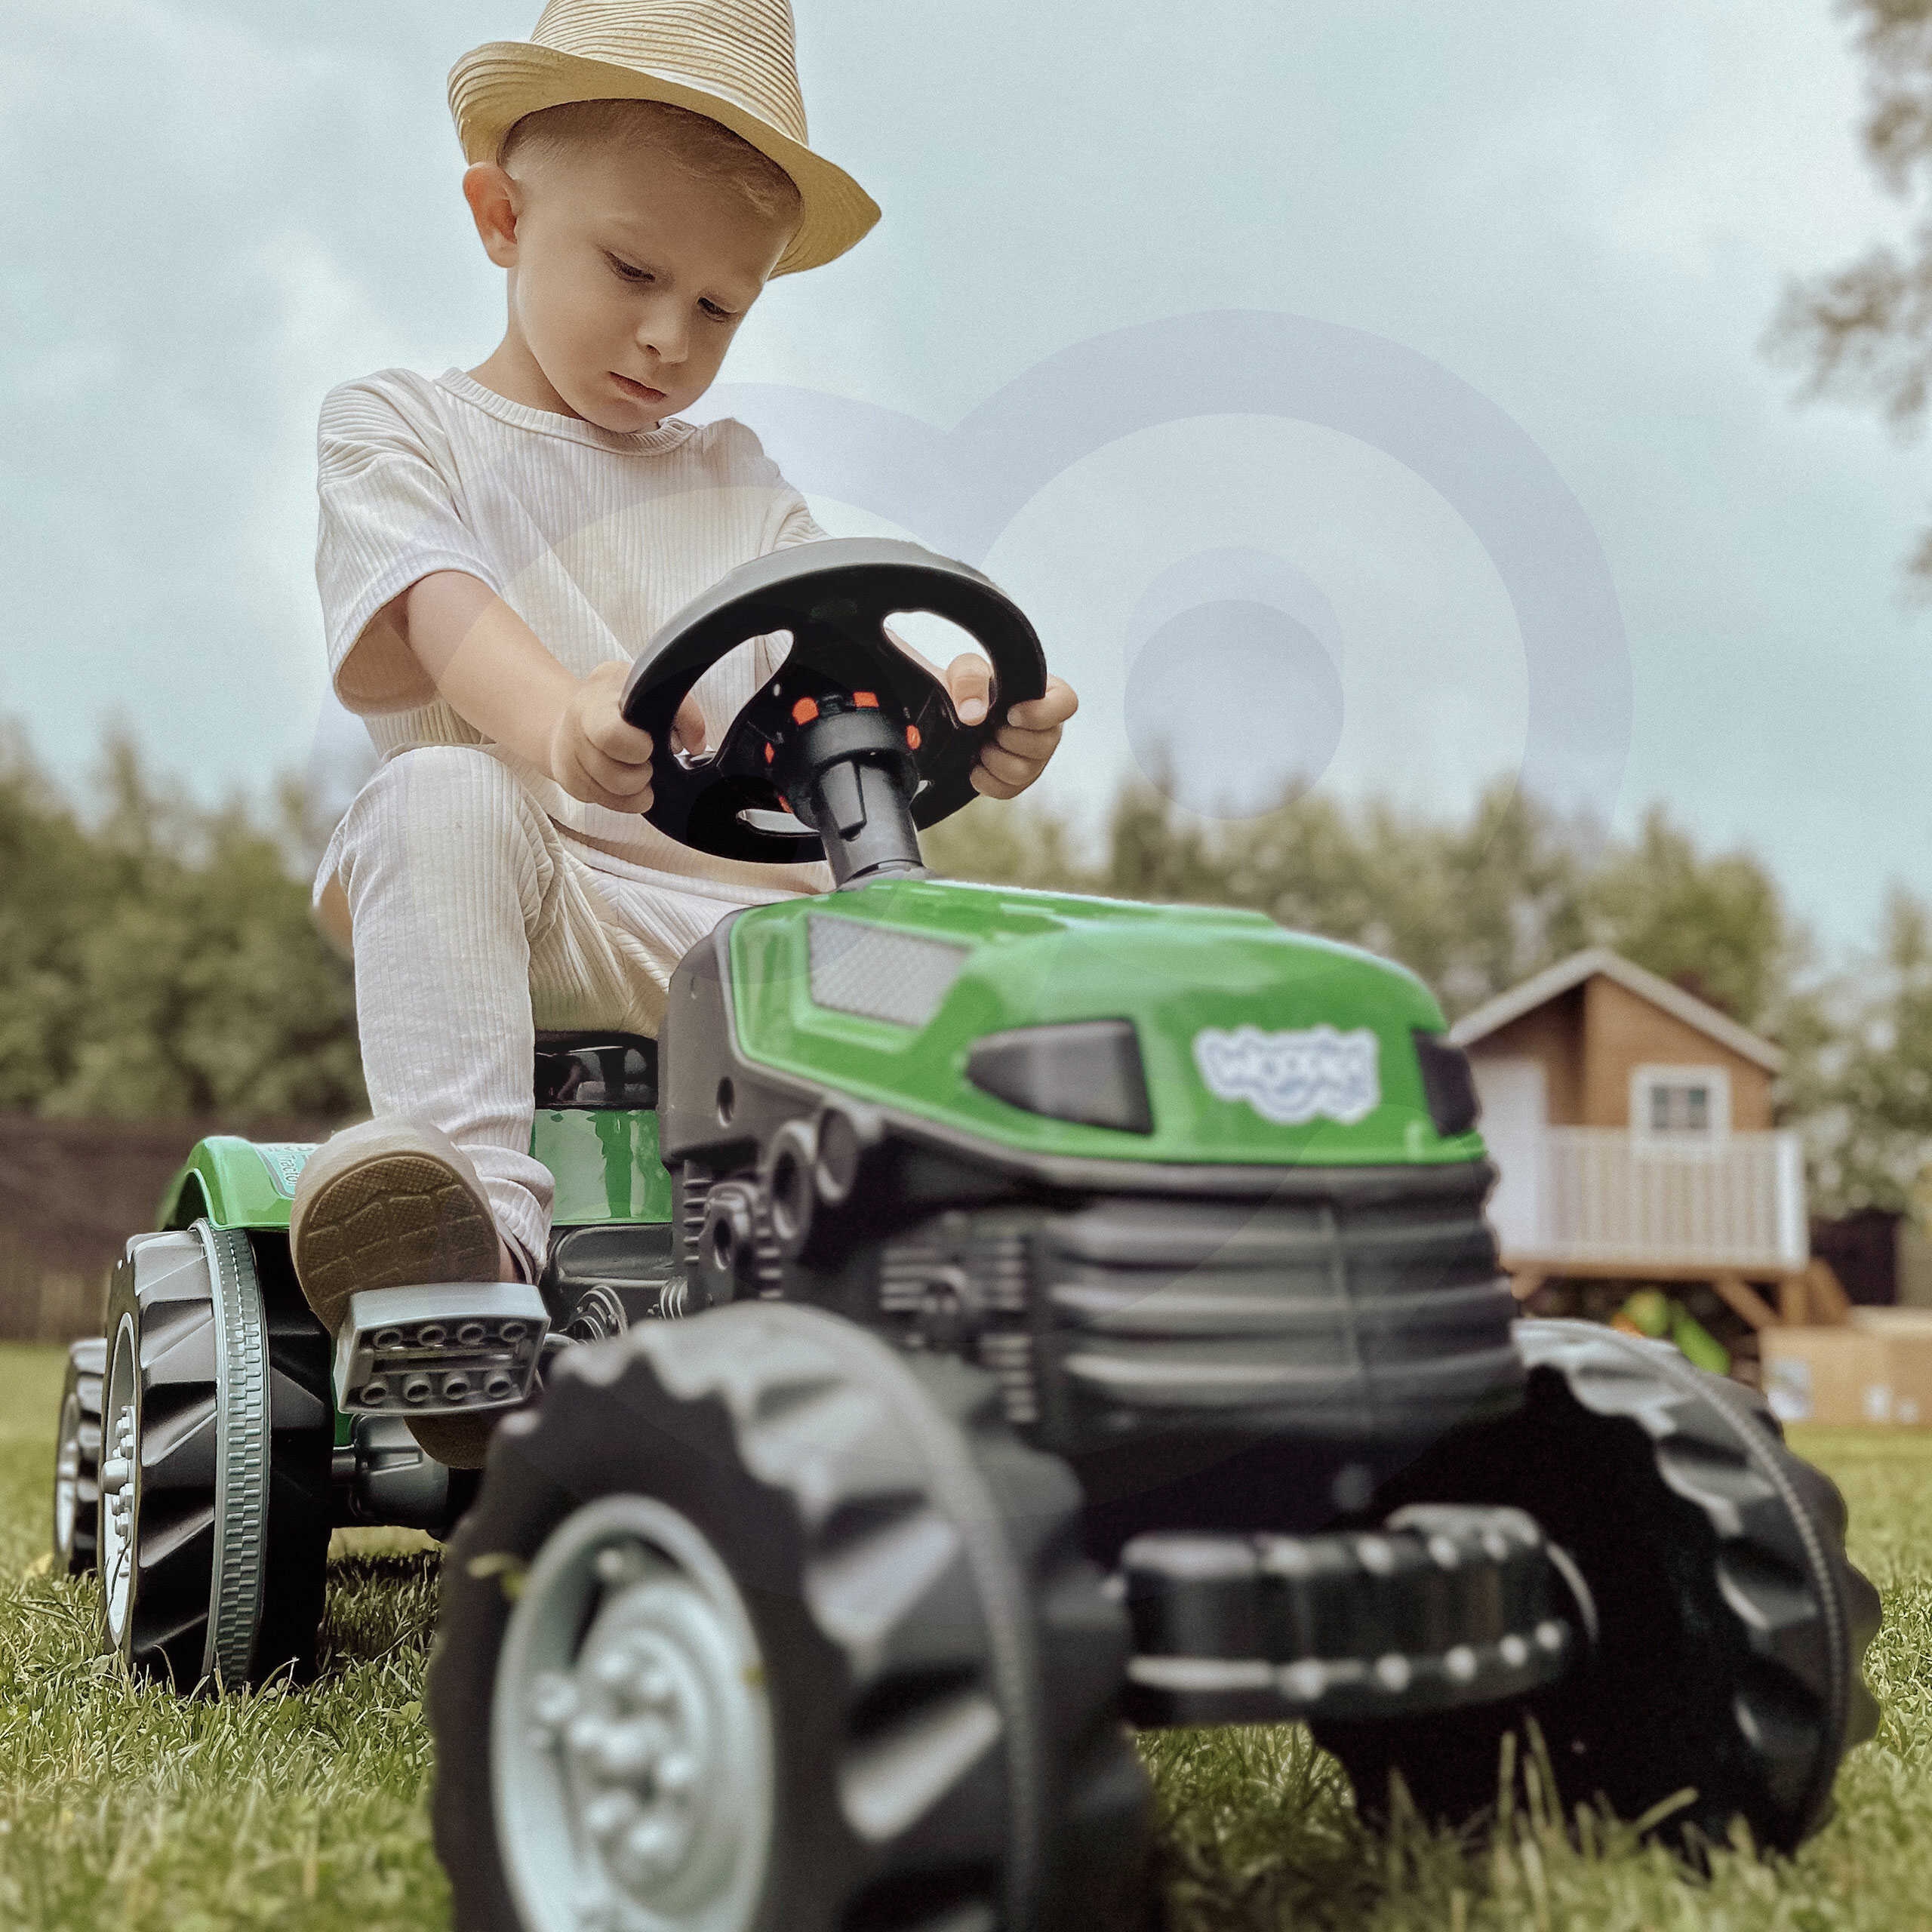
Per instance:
{"type": "Point", "coordinates": [493, 87]}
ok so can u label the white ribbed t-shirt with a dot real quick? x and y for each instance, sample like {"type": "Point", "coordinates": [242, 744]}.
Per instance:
{"type": "Point", "coordinates": [595, 537]}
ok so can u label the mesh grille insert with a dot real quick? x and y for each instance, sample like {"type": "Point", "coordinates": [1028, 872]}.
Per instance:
{"type": "Point", "coordinates": [878, 973]}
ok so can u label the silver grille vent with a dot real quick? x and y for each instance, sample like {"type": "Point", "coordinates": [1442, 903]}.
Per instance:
{"type": "Point", "coordinates": [878, 973]}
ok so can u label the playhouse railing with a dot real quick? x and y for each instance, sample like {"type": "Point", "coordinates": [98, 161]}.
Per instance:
{"type": "Point", "coordinates": [1603, 1195]}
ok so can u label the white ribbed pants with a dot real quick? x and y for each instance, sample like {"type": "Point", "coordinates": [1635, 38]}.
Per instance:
{"type": "Point", "coordinates": [475, 922]}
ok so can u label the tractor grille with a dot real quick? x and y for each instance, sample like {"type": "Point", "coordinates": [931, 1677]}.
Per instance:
{"type": "Point", "coordinates": [1370, 1310]}
{"type": "Point", "coordinates": [1341, 1316]}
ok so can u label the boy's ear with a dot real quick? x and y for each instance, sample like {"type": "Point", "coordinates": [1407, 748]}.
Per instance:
{"type": "Point", "coordinates": [496, 201]}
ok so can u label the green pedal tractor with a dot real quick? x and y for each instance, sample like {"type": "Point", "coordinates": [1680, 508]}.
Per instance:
{"type": "Point", "coordinates": [983, 1319]}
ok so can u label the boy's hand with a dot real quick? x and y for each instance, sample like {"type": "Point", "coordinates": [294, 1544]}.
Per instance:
{"type": "Point", "coordinates": [1018, 754]}
{"type": "Point", "coordinates": [596, 757]}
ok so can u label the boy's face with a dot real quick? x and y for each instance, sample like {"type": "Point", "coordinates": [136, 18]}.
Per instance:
{"type": "Point", "coordinates": [628, 279]}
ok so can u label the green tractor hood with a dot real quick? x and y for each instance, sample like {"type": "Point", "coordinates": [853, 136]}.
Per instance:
{"type": "Point", "coordinates": [1254, 1044]}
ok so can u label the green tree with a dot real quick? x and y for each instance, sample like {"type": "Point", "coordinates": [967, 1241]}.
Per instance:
{"type": "Point", "coordinates": [1715, 926]}
{"type": "Point", "coordinates": [1864, 331]}
{"type": "Point", "coordinates": [1018, 843]}
{"type": "Point", "coordinates": [1866, 1102]}
{"type": "Point", "coordinates": [160, 961]}
{"type": "Point", "coordinates": [50, 898]}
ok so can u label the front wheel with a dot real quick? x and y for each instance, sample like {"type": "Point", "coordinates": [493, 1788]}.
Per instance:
{"type": "Point", "coordinates": [758, 1626]}
{"type": "Point", "coordinates": [1729, 1626]}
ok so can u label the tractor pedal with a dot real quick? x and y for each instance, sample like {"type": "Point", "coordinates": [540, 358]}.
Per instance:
{"type": "Point", "coordinates": [449, 1348]}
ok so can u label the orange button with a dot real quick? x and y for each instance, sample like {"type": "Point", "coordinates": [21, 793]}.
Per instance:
{"type": "Point", "coordinates": [769, 754]}
{"type": "Point", "coordinates": [804, 711]}
{"type": "Point", "coordinates": [912, 735]}
{"type": "Point", "coordinates": [865, 700]}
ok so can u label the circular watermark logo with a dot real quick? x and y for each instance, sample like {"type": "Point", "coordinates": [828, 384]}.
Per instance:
{"type": "Point", "coordinates": [1261, 635]}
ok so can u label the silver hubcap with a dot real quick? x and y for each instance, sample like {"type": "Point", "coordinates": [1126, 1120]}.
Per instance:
{"type": "Point", "coordinates": [117, 1452]}
{"type": "Point", "coordinates": [631, 1737]}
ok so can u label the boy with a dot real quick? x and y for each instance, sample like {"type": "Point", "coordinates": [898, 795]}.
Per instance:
{"type": "Point", "coordinates": [495, 547]}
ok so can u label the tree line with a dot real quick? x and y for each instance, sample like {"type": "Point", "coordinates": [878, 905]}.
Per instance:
{"type": "Point", "coordinates": [157, 957]}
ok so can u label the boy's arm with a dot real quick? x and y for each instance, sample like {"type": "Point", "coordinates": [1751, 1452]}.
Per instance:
{"type": "Point", "coordinates": [497, 674]}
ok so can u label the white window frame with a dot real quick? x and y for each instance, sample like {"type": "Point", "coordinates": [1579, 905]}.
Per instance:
{"type": "Point", "coordinates": [1645, 1079]}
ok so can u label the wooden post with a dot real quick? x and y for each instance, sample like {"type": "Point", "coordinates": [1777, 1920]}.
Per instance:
{"type": "Point", "coordinates": [1829, 1302]}
{"type": "Point", "coordinates": [1794, 1300]}
{"type": "Point", "coordinates": [1738, 1295]}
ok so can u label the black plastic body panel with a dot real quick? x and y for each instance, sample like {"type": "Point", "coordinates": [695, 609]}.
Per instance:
{"type": "Point", "coordinates": [1211, 1345]}
{"type": "Point", "coordinates": [635, 1264]}
{"type": "Point", "coordinates": [1448, 1086]}
{"type": "Point", "coordinates": [1086, 1070]}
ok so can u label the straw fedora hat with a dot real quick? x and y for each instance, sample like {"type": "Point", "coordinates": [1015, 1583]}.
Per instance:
{"type": "Point", "coordinates": [733, 60]}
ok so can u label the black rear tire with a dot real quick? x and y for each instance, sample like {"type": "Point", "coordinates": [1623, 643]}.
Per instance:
{"type": "Point", "coordinates": [1731, 1627]}
{"type": "Point", "coordinates": [940, 1671]}
{"type": "Point", "coordinates": [215, 1468]}
{"type": "Point", "coordinates": [77, 1458]}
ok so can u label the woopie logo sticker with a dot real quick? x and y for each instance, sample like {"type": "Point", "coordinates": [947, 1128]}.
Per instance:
{"type": "Point", "coordinates": [1294, 1077]}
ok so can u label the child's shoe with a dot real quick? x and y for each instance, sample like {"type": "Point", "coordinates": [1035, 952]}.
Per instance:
{"type": "Point", "coordinates": [390, 1215]}
{"type": "Point", "coordinates": [385, 1205]}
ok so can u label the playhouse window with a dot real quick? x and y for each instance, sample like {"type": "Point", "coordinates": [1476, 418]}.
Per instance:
{"type": "Point", "coordinates": [1681, 1108]}
{"type": "Point", "coordinates": [1680, 1102]}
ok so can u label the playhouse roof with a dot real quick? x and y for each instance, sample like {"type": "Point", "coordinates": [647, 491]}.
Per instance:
{"type": "Point", "coordinates": [1497, 1013]}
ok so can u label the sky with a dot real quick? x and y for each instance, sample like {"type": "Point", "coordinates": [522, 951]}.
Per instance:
{"type": "Point", "coordinates": [1363, 391]}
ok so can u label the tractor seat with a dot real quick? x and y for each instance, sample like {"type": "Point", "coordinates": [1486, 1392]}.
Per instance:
{"type": "Point", "coordinates": [596, 1069]}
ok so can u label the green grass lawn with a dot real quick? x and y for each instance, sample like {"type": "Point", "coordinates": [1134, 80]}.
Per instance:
{"type": "Point", "coordinates": [121, 1807]}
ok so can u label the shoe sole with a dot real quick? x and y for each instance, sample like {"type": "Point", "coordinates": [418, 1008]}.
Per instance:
{"type": "Point", "coordinates": [395, 1216]}
{"type": "Point", "coordinates": [458, 1442]}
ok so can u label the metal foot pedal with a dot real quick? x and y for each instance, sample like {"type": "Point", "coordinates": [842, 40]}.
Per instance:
{"type": "Point", "coordinates": [444, 1349]}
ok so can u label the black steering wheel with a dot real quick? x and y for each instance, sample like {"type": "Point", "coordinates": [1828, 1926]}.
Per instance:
{"type": "Point", "coordinates": [833, 596]}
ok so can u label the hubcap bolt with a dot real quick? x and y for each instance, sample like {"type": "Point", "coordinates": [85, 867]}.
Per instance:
{"type": "Point", "coordinates": [552, 1699]}
{"type": "Point", "coordinates": [626, 1751]}
{"type": "Point", "coordinates": [651, 1845]}
{"type": "Point", "coordinates": [620, 1563]}
{"type": "Point", "coordinates": [615, 1673]}
{"type": "Point", "coordinates": [609, 1812]}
